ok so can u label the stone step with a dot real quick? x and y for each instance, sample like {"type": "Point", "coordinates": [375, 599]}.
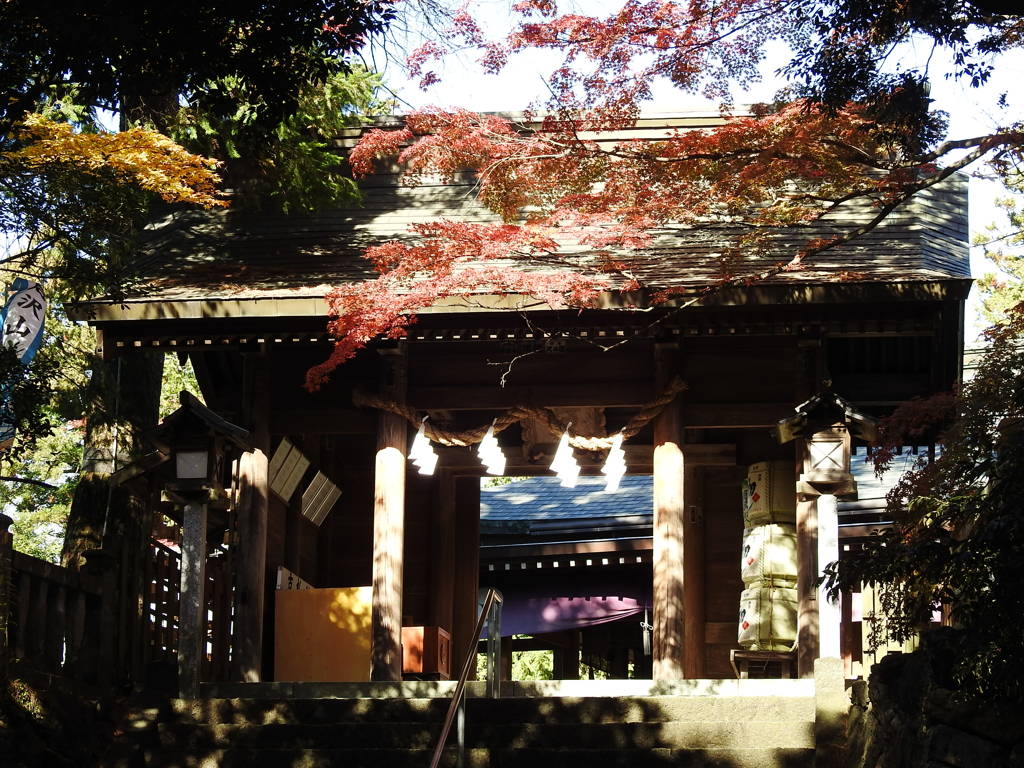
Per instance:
{"type": "Point", "coordinates": [484, 758]}
{"type": "Point", "coordinates": [344, 735]}
{"type": "Point", "coordinates": [532, 688]}
{"type": "Point", "coordinates": [640, 709]}
{"type": "Point", "coordinates": [682, 735]}
{"type": "Point", "coordinates": [646, 709]}
{"type": "Point", "coordinates": [313, 711]}
{"type": "Point", "coordinates": [671, 735]}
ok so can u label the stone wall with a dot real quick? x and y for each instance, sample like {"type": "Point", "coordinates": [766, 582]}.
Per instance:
{"type": "Point", "coordinates": [902, 719]}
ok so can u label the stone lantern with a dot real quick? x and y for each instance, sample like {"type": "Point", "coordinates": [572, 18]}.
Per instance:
{"type": "Point", "coordinates": [201, 446]}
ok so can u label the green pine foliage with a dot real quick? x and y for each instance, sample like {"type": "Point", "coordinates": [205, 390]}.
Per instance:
{"type": "Point", "coordinates": [297, 169]}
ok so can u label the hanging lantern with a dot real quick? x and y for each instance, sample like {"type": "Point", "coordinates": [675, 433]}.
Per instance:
{"type": "Point", "coordinates": [615, 465]}
{"type": "Point", "coordinates": [422, 453]}
{"type": "Point", "coordinates": [490, 453]}
{"type": "Point", "coordinates": [564, 464]}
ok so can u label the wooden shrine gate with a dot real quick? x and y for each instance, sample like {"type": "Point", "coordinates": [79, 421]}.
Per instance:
{"type": "Point", "coordinates": [890, 331]}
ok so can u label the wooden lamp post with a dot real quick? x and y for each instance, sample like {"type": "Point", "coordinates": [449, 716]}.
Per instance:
{"type": "Point", "coordinates": [201, 445]}
{"type": "Point", "coordinates": [823, 427]}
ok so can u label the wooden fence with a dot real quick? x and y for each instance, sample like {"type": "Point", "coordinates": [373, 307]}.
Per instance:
{"type": "Point", "coordinates": [163, 584]}
{"type": "Point", "coordinates": [162, 602]}
{"type": "Point", "coordinates": [54, 619]}
{"type": "Point", "coordinates": [62, 621]}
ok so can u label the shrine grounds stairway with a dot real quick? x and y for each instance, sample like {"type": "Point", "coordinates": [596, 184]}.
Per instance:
{"type": "Point", "coordinates": [584, 724]}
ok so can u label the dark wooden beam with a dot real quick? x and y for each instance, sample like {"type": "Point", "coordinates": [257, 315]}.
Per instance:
{"type": "Point", "coordinates": [347, 421]}
{"type": "Point", "coordinates": [863, 531]}
{"type": "Point", "coordinates": [748, 415]}
{"type": "Point", "coordinates": [639, 459]}
{"type": "Point", "coordinates": [720, 632]}
{"type": "Point", "coordinates": [208, 384]}
{"type": "Point", "coordinates": [602, 394]}
{"type": "Point", "coordinates": [442, 561]}
{"type": "Point", "coordinates": [505, 551]}
{"type": "Point", "coordinates": [327, 421]}
{"type": "Point", "coordinates": [467, 567]}
{"type": "Point", "coordinates": [693, 568]}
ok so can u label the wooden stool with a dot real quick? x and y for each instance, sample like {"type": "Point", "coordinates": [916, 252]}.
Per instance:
{"type": "Point", "coordinates": [762, 664]}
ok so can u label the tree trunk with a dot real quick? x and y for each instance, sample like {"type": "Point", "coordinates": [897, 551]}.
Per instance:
{"type": "Point", "coordinates": [124, 401]}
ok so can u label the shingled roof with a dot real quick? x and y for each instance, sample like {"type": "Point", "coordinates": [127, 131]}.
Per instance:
{"type": "Point", "coordinates": [538, 505]}
{"type": "Point", "coordinates": [198, 256]}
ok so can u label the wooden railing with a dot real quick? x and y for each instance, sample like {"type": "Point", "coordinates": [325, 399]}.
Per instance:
{"type": "Point", "coordinates": [160, 627]}
{"type": "Point", "coordinates": [55, 620]}
{"type": "Point", "coordinates": [64, 622]}
{"type": "Point", "coordinates": [490, 616]}
{"type": "Point", "coordinates": [162, 603]}
{"type": "Point", "coordinates": [219, 607]}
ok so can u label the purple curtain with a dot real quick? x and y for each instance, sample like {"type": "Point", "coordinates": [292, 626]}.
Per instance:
{"type": "Point", "coordinates": [534, 606]}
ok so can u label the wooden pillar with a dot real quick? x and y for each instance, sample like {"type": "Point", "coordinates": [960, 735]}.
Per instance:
{"type": "Point", "coordinates": [251, 514]}
{"type": "Point", "coordinates": [809, 371]}
{"type": "Point", "coordinates": [618, 663]}
{"type": "Point", "coordinates": [192, 610]}
{"type": "Point", "coordinates": [467, 567]}
{"type": "Point", "coordinates": [807, 595]}
{"type": "Point", "coordinates": [693, 574]}
{"type": "Point", "coordinates": [824, 472]}
{"type": "Point", "coordinates": [669, 516]}
{"type": "Point", "coordinates": [389, 529]}
{"type": "Point", "coordinates": [829, 614]}
{"type": "Point", "coordinates": [571, 657]}
{"type": "Point", "coordinates": [293, 536]}
{"type": "Point", "coordinates": [565, 658]}
{"type": "Point", "coordinates": [505, 673]}
{"type": "Point", "coordinates": [388, 542]}
{"type": "Point", "coordinates": [442, 565]}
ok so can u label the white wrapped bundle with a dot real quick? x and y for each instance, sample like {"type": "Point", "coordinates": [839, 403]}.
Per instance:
{"type": "Point", "coordinates": [769, 493]}
{"type": "Point", "coordinates": [769, 555]}
{"type": "Point", "coordinates": [768, 618]}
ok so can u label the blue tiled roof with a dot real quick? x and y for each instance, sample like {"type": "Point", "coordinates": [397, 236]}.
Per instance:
{"type": "Point", "coordinates": [535, 500]}
{"type": "Point", "coordinates": [872, 490]}
{"type": "Point", "coordinates": [542, 498]}
{"type": "Point", "coordinates": [871, 487]}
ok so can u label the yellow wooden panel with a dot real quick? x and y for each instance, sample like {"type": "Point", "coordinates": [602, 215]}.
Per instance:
{"type": "Point", "coordinates": [322, 635]}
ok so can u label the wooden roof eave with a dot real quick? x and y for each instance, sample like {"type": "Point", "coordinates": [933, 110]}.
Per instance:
{"type": "Point", "coordinates": [99, 312]}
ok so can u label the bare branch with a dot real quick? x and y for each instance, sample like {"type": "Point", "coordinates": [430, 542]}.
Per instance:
{"type": "Point", "coordinates": [27, 481]}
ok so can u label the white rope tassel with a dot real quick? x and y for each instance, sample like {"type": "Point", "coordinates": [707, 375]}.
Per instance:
{"type": "Point", "coordinates": [564, 464]}
{"type": "Point", "coordinates": [615, 465]}
{"type": "Point", "coordinates": [490, 453]}
{"type": "Point", "coordinates": [422, 453]}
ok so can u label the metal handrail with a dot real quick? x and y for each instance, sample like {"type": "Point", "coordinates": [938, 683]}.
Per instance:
{"type": "Point", "coordinates": [493, 598]}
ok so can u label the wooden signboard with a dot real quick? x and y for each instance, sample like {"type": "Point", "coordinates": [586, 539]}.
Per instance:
{"type": "Point", "coordinates": [287, 466]}
{"type": "Point", "coordinates": [322, 635]}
